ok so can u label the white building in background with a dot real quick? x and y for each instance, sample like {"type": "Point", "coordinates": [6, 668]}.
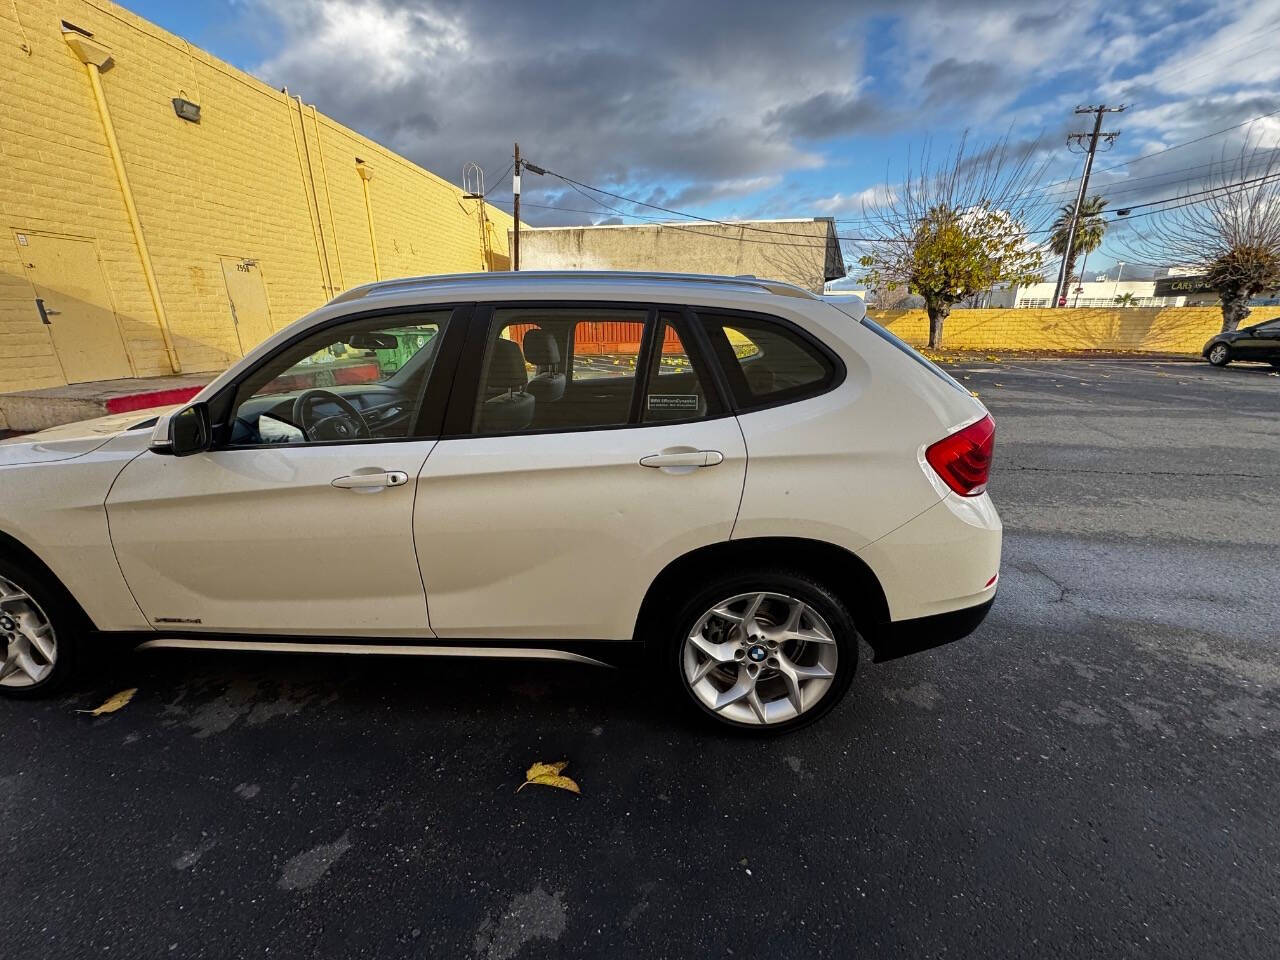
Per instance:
{"type": "Point", "coordinates": [1092, 293]}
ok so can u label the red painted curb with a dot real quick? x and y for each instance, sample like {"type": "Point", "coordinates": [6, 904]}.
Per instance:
{"type": "Point", "coordinates": [156, 398]}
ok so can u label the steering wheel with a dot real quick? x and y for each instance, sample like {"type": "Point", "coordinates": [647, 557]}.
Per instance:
{"type": "Point", "coordinates": [347, 425]}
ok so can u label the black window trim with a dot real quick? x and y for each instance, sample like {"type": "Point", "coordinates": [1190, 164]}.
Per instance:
{"type": "Point", "coordinates": [735, 381]}
{"type": "Point", "coordinates": [466, 384]}
{"type": "Point", "coordinates": [432, 400]}
{"type": "Point", "coordinates": [644, 360]}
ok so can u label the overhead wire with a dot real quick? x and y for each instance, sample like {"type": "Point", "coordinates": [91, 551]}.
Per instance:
{"type": "Point", "coordinates": [1198, 196]}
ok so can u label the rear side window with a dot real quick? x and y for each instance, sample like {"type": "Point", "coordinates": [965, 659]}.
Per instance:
{"type": "Point", "coordinates": [768, 361]}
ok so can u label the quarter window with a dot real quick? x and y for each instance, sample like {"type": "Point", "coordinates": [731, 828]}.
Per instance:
{"type": "Point", "coordinates": [771, 362]}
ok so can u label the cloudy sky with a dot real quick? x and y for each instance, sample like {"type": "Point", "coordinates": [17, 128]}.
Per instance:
{"type": "Point", "coordinates": [761, 108]}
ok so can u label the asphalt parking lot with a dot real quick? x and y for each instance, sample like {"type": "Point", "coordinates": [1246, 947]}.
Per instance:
{"type": "Point", "coordinates": [1093, 773]}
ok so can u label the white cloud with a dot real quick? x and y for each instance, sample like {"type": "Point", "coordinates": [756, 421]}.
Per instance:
{"type": "Point", "coordinates": [857, 202]}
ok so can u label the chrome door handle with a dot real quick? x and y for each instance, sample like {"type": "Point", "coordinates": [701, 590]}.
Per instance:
{"type": "Point", "coordinates": [683, 458]}
{"type": "Point", "coordinates": [372, 482]}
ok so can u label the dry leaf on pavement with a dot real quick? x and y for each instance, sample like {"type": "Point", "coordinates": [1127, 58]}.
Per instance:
{"type": "Point", "coordinates": [549, 775]}
{"type": "Point", "coordinates": [113, 703]}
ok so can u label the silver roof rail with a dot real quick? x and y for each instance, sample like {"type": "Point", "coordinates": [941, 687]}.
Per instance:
{"type": "Point", "coordinates": [500, 278]}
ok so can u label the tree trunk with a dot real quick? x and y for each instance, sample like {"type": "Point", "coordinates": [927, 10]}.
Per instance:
{"type": "Point", "coordinates": [1067, 284]}
{"type": "Point", "coordinates": [937, 314]}
{"type": "Point", "coordinates": [1234, 309]}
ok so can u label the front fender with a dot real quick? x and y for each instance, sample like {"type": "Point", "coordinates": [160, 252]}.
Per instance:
{"type": "Point", "coordinates": [56, 510]}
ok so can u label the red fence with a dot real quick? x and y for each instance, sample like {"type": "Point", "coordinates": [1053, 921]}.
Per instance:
{"type": "Point", "coordinates": [604, 337]}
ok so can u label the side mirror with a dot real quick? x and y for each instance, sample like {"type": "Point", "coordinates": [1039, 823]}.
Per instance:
{"type": "Point", "coordinates": [189, 432]}
{"type": "Point", "coordinates": [374, 341]}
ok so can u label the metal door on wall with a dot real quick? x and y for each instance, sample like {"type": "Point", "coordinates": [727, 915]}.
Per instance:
{"type": "Point", "coordinates": [73, 301]}
{"type": "Point", "coordinates": [248, 296]}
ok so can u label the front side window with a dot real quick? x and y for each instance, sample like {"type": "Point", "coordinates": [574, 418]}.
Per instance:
{"type": "Point", "coordinates": [578, 368]}
{"type": "Point", "coordinates": [771, 361]}
{"type": "Point", "coordinates": [362, 380]}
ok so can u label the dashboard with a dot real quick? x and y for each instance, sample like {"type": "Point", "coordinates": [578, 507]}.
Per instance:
{"type": "Point", "coordinates": [269, 419]}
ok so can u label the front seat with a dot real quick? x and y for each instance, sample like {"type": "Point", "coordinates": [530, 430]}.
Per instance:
{"type": "Point", "coordinates": [541, 349]}
{"type": "Point", "coordinates": [513, 409]}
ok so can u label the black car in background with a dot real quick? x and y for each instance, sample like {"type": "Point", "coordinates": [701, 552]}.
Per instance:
{"type": "Point", "coordinates": [1258, 342]}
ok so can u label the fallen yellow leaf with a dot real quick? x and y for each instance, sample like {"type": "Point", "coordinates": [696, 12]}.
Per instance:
{"type": "Point", "coordinates": [113, 703]}
{"type": "Point", "coordinates": [548, 775]}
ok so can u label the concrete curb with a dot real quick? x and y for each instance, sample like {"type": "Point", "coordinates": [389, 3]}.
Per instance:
{"type": "Point", "coordinates": [31, 410]}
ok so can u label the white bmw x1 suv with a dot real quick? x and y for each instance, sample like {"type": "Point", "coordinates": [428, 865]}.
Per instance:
{"type": "Point", "coordinates": [730, 478]}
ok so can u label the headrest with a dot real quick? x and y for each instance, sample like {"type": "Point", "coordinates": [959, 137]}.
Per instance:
{"type": "Point", "coordinates": [506, 366]}
{"type": "Point", "coordinates": [540, 348]}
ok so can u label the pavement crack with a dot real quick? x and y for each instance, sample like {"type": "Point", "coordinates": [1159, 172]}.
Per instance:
{"type": "Point", "coordinates": [1062, 590]}
{"type": "Point", "coordinates": [1141, 473]}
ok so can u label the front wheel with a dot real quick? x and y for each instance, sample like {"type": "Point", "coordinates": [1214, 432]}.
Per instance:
{"type": "Point", "coordinates": [765, 652]}
{"type": "Point", "coordinates": [1219, 355]}
{"type": "Point", "coordinates": [37, 650]}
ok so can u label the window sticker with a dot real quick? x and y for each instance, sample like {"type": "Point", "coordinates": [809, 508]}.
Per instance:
{"type": "Point", "coordinates": [673, 401]}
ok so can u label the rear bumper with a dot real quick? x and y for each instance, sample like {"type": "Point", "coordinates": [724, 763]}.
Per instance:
{"type": "Point", "coordinates": [946, 559]}
{"type": "Point", "coordinates": [905, 637]}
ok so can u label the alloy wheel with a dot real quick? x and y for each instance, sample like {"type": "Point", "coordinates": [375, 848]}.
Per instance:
{"type": "Point", "coordinates": [27, 639]}
{"type": "Point", "coordinates": [1218, 355]}
{"type": "Point", "coordinates": [760, 658]}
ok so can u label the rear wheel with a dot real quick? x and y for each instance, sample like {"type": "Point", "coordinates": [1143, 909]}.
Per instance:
{"type": "Point", "coordinates": [37, 623]}
{"type": "Point", "coordinates": [1219, 355]}
{"type": "Point", "coordinates": [765, 652]}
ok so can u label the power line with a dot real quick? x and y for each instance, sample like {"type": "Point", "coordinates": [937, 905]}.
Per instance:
{"type": "Point", "coordinates": [1199, 196]}
{"type": "Point", "coordinates": [501, 177]}
{"type": "Point", "coordinates": [1156, 153]}
{"type": "Point", "coordinates": [1207, 73]}
{"type": "Point", "coordinates": [1219, 53]}
{"type": "Point", "coordinates": [1048, 198]}
{"type": "Point", "coordinates": [1169, 176]}
{"type": "Point", "coordinates": [1045, 196]}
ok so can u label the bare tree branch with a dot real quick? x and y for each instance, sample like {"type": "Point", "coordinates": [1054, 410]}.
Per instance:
{"type": "Point", "coordinates": [957, 225]}
{"type": "Point", "coordinates": [1232, 235]}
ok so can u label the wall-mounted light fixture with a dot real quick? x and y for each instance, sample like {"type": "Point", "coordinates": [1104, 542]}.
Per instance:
{"type": "Point", "coordinates": [186, 109]}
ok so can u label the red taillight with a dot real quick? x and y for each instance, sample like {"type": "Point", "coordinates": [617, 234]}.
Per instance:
{"type": "Point", "coordinates": [963, 459]}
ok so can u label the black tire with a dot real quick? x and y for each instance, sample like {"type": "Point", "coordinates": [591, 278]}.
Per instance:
{"type": "Point", "coordinates": [1219, 357]}
{"type": "Point", "coordinates": [1275, 364]}
{"type": "Point", "coordinates": [63, 615]}
{"type": "Point", "coordinates": [770, 580]}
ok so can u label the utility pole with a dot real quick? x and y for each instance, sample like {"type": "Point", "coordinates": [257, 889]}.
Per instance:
{"type": "Point", "coordinates": [515, 207]}
{"type": "Point", "coordinates": [1064, 281]}
{"type": "Point", "coordinates": [515, 211]}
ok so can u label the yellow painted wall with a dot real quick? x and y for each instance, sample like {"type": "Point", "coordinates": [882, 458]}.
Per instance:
{"type": "Point", "coordinates": [230, 186]}
{"type": "Point", "coordinates": [1148, 329]}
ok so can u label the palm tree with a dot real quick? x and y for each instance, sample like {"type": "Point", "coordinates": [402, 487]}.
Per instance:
{"type": "Point", "coordinates": [1126, 300]}
{"type": "Point", "coordinates": [1090, 229]}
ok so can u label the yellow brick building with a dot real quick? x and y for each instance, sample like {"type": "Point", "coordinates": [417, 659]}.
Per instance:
{"type": "Point", "coordinates": [185, 242]}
